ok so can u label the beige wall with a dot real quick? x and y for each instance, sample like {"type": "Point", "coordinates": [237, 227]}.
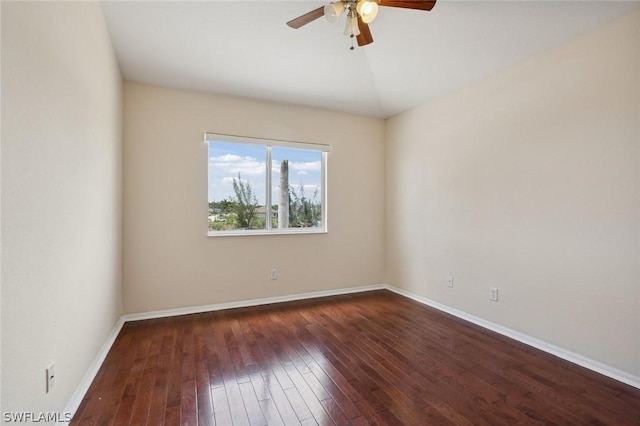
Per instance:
{"type": "Point", "coordinates": [529, 181]}
{"type": "Point", "coordinates": [61, 198]}
{"type": "Point", "coordinates": [169, 262]}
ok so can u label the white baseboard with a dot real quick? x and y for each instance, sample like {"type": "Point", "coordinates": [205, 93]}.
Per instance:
{"type": "Point", "coordinates": [248, 303]}
{"type": "Point", "coordinates": [573, 357]}
{"type": "Point", "coordinates": [87, 379]}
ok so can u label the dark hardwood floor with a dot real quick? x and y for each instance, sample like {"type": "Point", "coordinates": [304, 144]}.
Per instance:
{"type": "Point", "coordinates": [368, 358]}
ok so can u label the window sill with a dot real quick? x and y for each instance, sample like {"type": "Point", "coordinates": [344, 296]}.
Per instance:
{"type": "Point", "coordinates": [243, 233]}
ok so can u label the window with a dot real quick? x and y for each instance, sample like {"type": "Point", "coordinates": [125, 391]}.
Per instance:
{"type": "Point", "coordinates": [261, 186]}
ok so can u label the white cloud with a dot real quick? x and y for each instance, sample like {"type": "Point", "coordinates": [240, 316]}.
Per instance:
{"type": "Point", "coordinates": [305, 166]}
{"type": "Point", "coordinates": [227, 157]}
{"type": "Point", "coordinates": [302, 173]}
{"type": "Point", "coordinates": [234, 164]}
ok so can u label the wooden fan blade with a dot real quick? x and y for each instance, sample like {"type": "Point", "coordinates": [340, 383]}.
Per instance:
{"type": "Point", "coordinates": [306, 18]}
{"type": "Point", "coordinates": [408, 4]}
{"type": "Point", "coordinates": [365, 36]}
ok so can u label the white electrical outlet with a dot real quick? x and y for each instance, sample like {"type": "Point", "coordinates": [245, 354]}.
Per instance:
{"type": "Point", "coordinates": [449, 280]}
{"type": "Point", "coordinates": [274, 274]}
{"type": "Point", "coordinates": [493, 294]}
{"type": "Point", "coordinates": [51, 377]}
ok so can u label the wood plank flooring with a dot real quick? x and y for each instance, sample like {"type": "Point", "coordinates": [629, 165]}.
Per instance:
{"type": "Point", "coordinates": [367, 358]}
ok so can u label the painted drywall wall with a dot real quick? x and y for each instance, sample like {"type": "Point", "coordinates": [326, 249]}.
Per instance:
{"type": "Point", "coordinates": [168, 260]}
{"type": "Point", "coordinates": [529, 181]}
{"type": "Point", "coordinates": [61, 198]}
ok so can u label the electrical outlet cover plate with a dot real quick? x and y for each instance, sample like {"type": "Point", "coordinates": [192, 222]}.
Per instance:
{"type": "Point", "coordinates": [493, 294]}
{"type": "Point", "coordinates": [449, 280]}
{"type": "Point", "coordinates": [51, 377]}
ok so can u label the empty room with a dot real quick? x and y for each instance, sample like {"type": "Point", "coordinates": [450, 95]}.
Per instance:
{"type": "Point", "coordinates": [314, 213]}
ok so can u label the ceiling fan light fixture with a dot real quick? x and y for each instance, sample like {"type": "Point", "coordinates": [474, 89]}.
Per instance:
{"type": "Point", "coordinates": [332, 11]}
{"type": "Point", "coordinates": [368, 10]}
{"type": "Point", "coordinates": [352, 29]}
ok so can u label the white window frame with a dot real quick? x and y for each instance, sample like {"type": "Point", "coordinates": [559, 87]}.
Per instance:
{"type": "Point", "coordinates": [269, 144]}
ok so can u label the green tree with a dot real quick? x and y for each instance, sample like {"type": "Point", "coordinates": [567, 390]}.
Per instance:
{"type": "Point", "coordinates": [226, 206]}
{"type": "Point", "coordinates": [246, 203]}
{"type": "Point", "coordinates": [303, 212]}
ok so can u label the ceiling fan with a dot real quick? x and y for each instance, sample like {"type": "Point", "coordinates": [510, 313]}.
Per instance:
{"type": "Point", "coordinates": [359, 14]}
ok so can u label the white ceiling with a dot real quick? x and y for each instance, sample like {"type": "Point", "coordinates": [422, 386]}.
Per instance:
{"type": "Point", "coordinates": [244, 48]}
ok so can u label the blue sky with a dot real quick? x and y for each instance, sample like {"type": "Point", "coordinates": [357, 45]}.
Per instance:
{"type": "Point", "coordinates": [226, 160]}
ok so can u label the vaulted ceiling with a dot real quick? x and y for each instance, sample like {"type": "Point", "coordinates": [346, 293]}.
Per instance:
{"type": "Point", "coordinates": [244, 48]}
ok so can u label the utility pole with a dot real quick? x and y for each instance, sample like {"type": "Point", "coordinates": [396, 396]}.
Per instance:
{"type": "Point", "coordinates": [283, 207]}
